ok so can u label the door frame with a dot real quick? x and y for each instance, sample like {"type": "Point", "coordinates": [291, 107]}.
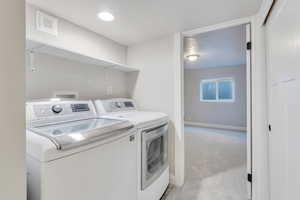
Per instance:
{"type": "Point", "coordinates": [260, 178]}
{"type": "Point", "coordinates": [179, 91]}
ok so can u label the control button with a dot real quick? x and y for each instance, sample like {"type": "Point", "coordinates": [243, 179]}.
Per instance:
{"type": "Point", "coordinates": [57, 109]}
{"type": "Point", "coordinates": [80, 107]}
{"type": "Point", "coordinates": [128, 104]}
{"type": "Point", "coordinates": [118, 104]}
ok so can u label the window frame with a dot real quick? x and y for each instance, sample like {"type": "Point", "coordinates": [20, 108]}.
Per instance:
{"type": "Point", "coordinates": [217, 80]}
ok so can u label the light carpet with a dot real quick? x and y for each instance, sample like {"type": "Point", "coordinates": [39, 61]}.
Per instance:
{"type": "Point", "coordinates": [215, 166]}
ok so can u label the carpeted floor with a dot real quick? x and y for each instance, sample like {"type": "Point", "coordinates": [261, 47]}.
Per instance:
{"type": "Point", "coordinates": [215, 166]}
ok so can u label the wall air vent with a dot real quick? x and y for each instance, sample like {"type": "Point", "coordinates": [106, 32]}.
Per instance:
{"type": "Point", "coordinates": [46, 23]}
{"type": "Point", "coordinates": [66, 94]}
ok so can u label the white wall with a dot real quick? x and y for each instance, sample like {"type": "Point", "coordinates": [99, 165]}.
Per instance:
{"type": "Point", "coordinates": [12, 99]}
{"type": "Point", "coordinates": [153, 88]}
{"type": "Point", "coordinates": [218, 113]}
{"type": "Point", "coordinates": [155, 61]}
{"type": "Point", "coordinates": [76, 39]}
{"type": "Point", "coordinates": [58, 74]}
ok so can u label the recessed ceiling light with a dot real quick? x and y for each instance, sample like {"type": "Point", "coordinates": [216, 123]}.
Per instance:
{"type": "Point", "coordinates": [193, 57]}
{"type": "Point", "coordinates": [106, 16]}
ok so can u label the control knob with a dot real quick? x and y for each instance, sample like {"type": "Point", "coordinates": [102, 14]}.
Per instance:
{"type": "Point", "coordinates": [57, 109]}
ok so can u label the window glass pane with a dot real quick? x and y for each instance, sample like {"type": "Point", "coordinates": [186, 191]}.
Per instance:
{"type": "Point", "coordinates": [225, 90]}
{"type": "Point", "coordinates": [209, 90]}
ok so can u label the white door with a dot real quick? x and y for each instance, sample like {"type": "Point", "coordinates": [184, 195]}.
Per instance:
{"type": "Point", "coordinates": [283, 61]}
{"type": "Point", "coordinates": [249, 125]}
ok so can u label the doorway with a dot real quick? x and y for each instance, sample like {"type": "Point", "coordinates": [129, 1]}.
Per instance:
{"type": "Point", "coordinates": [217, 113]}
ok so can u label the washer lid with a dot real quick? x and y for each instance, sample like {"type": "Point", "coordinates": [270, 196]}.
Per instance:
{"type": "Point", "coordinates": [71, 134]}
{"type": "Point", "coordinates": [140, 119]}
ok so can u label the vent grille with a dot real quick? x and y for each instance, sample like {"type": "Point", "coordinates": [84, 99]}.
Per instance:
{"type": "Point", "coordinates": [66, 94]}
{"type": "Point", "coordinates": [46, 23]}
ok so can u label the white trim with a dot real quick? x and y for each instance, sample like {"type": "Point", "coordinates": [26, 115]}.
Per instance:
{"type": "Point", "coordinates": [216, 126]}
{"type": "Point", "coordinates": [227, 24]}
{"type": "Point", "coordinates": [249, 109]}
{"type": "Point", "coordinates": [178, 111]}
{"type": "Point", "coordinates": [264, 10]}
{"type": "Point", "coordinates": [260, 185]}
{"type": "Point", "coordinates": [179, 99]}
{"type": "Point", "coordinates": [260, 157]}
{"type": "Point", "coordinates": [217, 80]}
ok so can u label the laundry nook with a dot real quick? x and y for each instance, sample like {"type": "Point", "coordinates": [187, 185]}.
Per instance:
{"type": "Point", "coordinates": [149, 100]}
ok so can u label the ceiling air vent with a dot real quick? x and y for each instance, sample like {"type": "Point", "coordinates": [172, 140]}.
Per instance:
{"type": "Point", "coordinates": [46, 23]}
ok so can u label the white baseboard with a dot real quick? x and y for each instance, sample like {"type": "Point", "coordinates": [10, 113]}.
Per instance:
{"type": "Point", "coordinates": [216, 126]}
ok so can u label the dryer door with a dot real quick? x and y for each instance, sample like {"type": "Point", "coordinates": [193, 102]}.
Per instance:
{"type": "Point", "coordinates": [154, 154]}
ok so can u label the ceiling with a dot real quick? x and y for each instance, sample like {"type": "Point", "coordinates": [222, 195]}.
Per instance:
{"type": "Point", "coordinates": [225, 47]}
{"type": "Point", "coordinates": [141, 20]}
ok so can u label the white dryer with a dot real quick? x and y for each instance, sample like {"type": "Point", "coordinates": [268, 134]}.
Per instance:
{"type": "Point", "coordinates": [73, 154]}
{"type": "Point", "coordinates": [152, 157]}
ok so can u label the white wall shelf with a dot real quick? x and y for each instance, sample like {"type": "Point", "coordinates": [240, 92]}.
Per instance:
{"type": "Point", "coordinates": [39, 47]}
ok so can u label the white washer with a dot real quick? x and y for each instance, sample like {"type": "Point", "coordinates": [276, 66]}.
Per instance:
{"type": "Point", "coordinates": [73, 154]}
{"type": "Point", "coordinates": [152, 157]}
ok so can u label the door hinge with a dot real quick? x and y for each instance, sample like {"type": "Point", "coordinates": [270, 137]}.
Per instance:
{"type": "Point", "coordinates": [249, 45]}
{"type": "Point", "coordinates": [249, 177]}
{"type": "Point", "coordinates": [270, 127]}
{"type": "Point", "coordinates": [131, 138]}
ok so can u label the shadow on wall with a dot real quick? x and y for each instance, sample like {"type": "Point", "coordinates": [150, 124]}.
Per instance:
{"type": "Point", "coordinates": [54, 74]}
{"type": "Point", "coordinates": [132, 78]}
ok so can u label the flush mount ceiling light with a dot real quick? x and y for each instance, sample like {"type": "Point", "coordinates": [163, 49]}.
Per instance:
{"type": "Point", "coordinates": [191, 49]}
{"type": "Point", "coordinates": [106, 16]}
{"type": "Point", "coordinates": [193, 57]}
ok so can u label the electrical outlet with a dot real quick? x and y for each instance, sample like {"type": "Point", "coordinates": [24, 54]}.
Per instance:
{"type": "Point", "coordinates": [109, 90]}
{"type": "Point", "coordinates": [33, 69]}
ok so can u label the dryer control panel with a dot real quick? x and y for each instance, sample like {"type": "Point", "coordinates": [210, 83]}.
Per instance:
{"type": "Point", "coordinates": [115, 105]}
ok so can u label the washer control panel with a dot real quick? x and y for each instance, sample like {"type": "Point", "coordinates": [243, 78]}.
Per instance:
{"type": "Point", "coordinates": [47, 109]}
{"type": "Point", "coordinates": [46, 112]}
{"type": "Point", "coordinates": [80, 107]}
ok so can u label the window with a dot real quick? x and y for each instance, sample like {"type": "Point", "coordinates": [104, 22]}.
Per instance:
{"type": "Point", "coordinates": [217, 90]}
